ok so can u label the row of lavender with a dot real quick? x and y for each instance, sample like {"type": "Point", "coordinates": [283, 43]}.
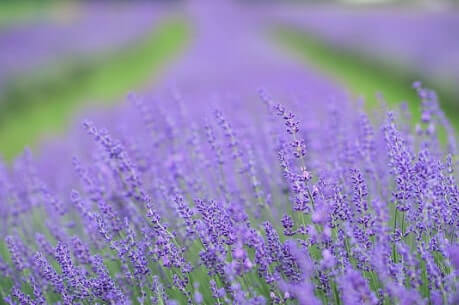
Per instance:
{"type": "Point", "coordinates": [73, 31]}
{"type": "Point", "coordinates": [422, 40]}
{"type": "Point", "coordinates": [171, 209]}
{"type": "Point", "coordinates": [219, 195]}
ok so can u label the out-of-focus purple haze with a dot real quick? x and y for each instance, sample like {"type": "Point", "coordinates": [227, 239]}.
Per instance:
{"type": "Point", "coordinates": [424, 40]}
{"type": "Point", "coordinates": [75, 31]}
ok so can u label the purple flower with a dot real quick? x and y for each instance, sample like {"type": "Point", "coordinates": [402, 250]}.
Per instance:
{"type": "Point", "coordinates": [355, 289]}
{"type": "Point", "coordinates": [454, 256]}
{"type": "Point", "coordinates": [17, 252]}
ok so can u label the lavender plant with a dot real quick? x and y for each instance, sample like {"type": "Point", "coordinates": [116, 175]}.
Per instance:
{"type": "Point", "coordinates": [180, 209]}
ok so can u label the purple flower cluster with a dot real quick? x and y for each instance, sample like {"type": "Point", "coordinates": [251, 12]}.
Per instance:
{"type": "Point", "coordinates": [153, 212]}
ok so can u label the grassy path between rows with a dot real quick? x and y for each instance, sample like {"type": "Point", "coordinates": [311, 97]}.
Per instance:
{"type": "Point", "coordinates": [36, 105]}
{"type": "Point", "coordinates": [16, 11]}
{"type": "Point", "coordinates": [363, 76]}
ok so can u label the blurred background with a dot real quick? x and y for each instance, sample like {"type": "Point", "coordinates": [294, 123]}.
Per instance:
{"type": "Point", "coordinates": [58, 58]}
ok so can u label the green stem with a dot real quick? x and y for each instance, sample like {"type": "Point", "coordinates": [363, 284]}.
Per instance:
{"type": "Point", "coordinates": [336, 293]}
{"type": "Point", "coordinates": [403, 224]}
{"type": "Point", "coordinates": [394, 251]}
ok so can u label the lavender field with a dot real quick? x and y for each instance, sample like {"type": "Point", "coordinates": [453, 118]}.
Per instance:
{"type": "Point", "coordinates": [219, 168]}
{"type": "Point", "coordinates": [88, 29]}
{"type": "Point", "coordinates": [427, 41]}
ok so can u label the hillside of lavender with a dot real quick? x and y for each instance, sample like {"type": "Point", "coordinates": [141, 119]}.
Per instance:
{"type": "Point", "coordinates": [239, 177]}
{"type": "Point", "coordinates": [92, 27]}
{"type": "Point", "coordinates": [424, 41]}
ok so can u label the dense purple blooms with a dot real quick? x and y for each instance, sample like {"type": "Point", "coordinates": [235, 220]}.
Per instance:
{"type": "Point", "coordinates": [331, 229]}
{"type": "Point", "coordinates": [167, 201]}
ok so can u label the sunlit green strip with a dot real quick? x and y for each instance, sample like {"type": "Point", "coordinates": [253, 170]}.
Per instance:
{"type": "Point", "coordinates": [32, 107]}
{"type": "Point", "coordinates": [13, 12]}
{"type": "Point", "coordinates": [363, 76]}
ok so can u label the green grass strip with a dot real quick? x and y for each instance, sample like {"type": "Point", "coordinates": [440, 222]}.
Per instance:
{"type": "Point", "coordinates": [13, 12]}
{"type": "Point", "coordinates": [38, 104]}
{"type": "Point", "coordinates": [364, 76]}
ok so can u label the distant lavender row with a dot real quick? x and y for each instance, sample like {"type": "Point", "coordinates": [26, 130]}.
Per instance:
{"type": "Point", "coordinates": [427, 41]}
{"type": "Point", "coordinates": [81, 30]}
